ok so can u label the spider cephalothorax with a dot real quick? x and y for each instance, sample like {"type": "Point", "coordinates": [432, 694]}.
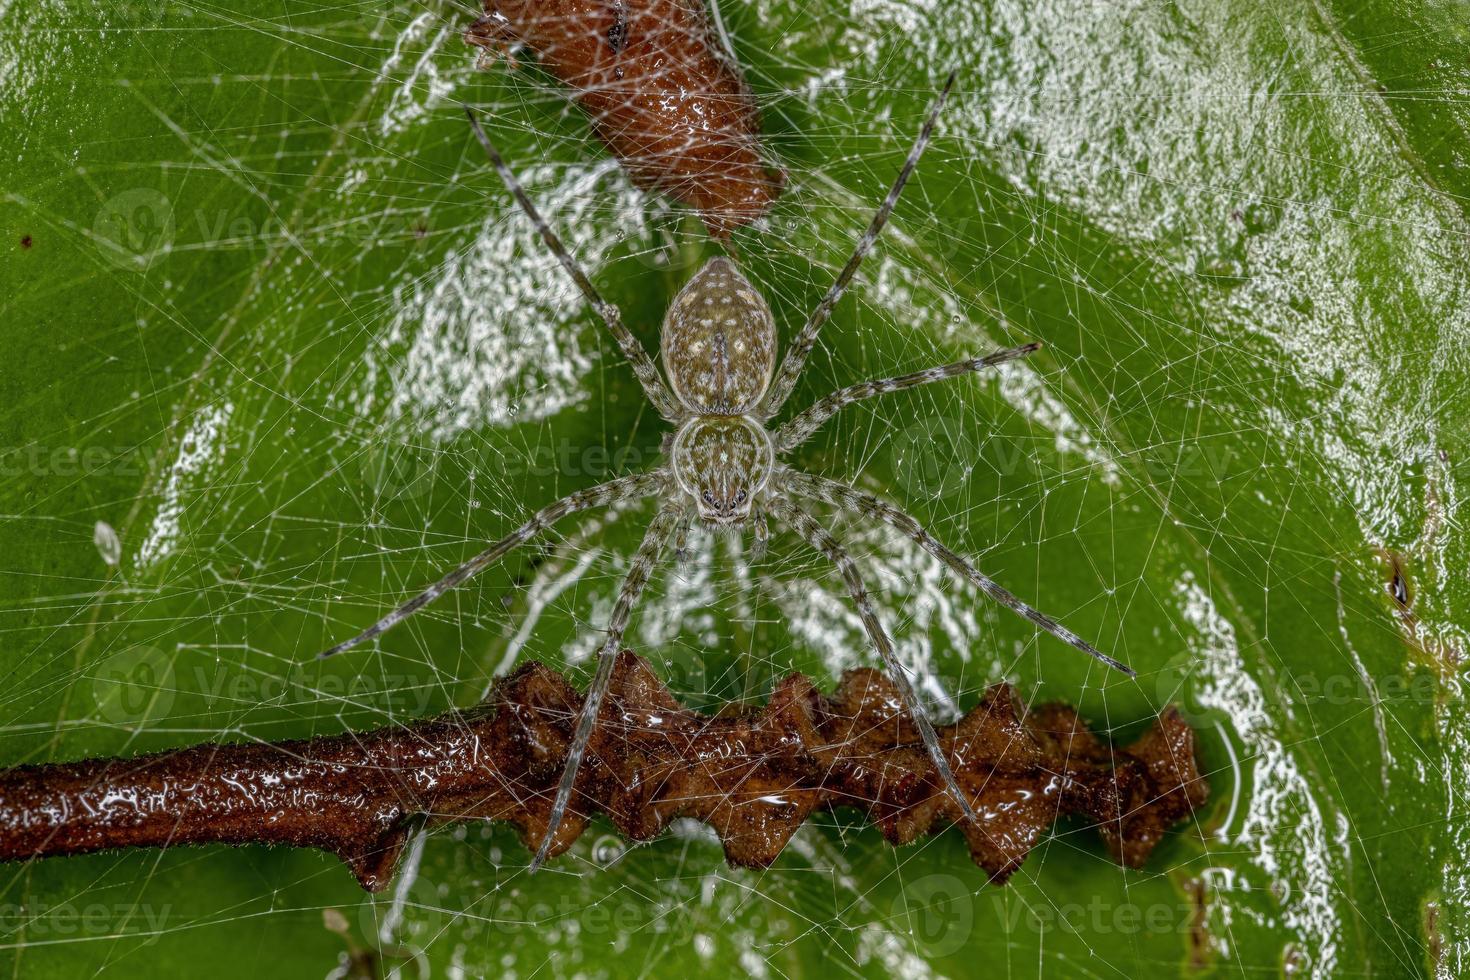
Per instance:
{"type": "Point", "coordinates": [723, 462]}
{"type": "Point", "coordinates": [719, 352]}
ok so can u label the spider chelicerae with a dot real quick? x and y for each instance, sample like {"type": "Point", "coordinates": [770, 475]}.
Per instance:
{"type": "Point", "coordinates": [719, 351]}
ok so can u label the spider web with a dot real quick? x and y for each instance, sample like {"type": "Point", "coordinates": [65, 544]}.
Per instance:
{"type": "Point", "coordinates": [301, 354]}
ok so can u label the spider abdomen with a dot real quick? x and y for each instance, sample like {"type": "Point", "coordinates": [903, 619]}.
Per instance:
{"type": "Point", "coordinates": [719, 342]}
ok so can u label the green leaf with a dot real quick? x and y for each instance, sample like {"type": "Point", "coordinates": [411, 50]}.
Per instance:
{"type": "Point", "coordinates": [272, 321]}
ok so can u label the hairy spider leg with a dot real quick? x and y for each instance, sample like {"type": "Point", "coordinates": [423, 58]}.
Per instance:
{"type": "Point", "coordinates": [639, 572]}
{"type": "Point", "coordinates": [800, 427]}
{"type": "Point", "coordinates": [802, 344]}
{"type": "Point", "coordinates": [681, 536]}
{"type": "Point", "coordinates": [820, 539]}
{"type": "Point", "coordinates": [837, 494]}
{"type": "Point", "coordinates": [653, 384]}
{"type": "Point", "coordinates": [611, 492]}
{"type": "Point", "coordinates": [760, 535]}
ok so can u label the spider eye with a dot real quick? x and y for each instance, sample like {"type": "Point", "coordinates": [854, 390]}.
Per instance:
{"type": "Point", "coordinates": [709, 498]}
{"type": "Point", "coordinates": [740, 496]}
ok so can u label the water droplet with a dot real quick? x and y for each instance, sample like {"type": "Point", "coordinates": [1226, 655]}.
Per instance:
{"type": "Point", "coordinates": [607, 850]}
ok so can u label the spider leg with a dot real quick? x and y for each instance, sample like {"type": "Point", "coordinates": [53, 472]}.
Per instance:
{"type": "Point", "coordinates": [840, 495]}
{"type": "Point", "coordinates": [799, 428]}
{"type": "Point", "coordinates": [681, 536]}
{"type": "Point", "coordinates": [802, 345]}
{"type": "Point", "coordinates": [623, 488]}
{"type": "Point", "coordinates": [761, 536]}
{"type": "Point", "coordinates": [820, 539]}
{"type": "Point", "coordinates": [653, 385]}
{"type": "Point", "coordinates": [639, 573]}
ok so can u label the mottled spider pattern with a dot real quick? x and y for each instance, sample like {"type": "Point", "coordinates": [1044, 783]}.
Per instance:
{"type": "Point", "coordinates": [723, 468]}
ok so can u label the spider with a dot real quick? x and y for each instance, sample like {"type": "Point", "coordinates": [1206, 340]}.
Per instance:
{"type": "Point", "coordinates": [718, 346]}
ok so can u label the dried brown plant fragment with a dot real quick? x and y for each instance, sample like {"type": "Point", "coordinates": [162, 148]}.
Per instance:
{"type": "Point", "coordinates": [660, 91]}
{"type": "Point", "coordinates": [754, 776]}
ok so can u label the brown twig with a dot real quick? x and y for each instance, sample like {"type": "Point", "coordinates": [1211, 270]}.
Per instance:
{"type": "Point", "coordinates": [755, 777]}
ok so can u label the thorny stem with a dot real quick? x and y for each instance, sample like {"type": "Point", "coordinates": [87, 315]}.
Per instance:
{"type": "Point", "coordinates": [755, 777]}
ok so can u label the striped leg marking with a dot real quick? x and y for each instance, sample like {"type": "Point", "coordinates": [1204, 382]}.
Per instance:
{"type": "Point", "coordinates": [801, 427]}
{"type": "Point", "coordinates": [653, 384]}
{"type": "Point", "coordinates": [818, 537]}
{"type": "Point", "coordinates": [624, 488]}
{"type": "Point", "coordinates": [840, 495]}
{"type": "Point", "coordinates": [796, 354]}
{"type": "Point", "coordinates": [644, 562]}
